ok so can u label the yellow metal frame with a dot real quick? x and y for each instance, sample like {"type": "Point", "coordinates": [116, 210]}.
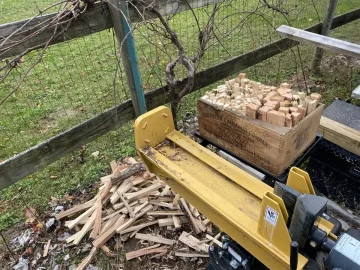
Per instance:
{"type": "Point", "coordinates": [238, 203]}
{"type": "Point", "coordinates": [300, 181]}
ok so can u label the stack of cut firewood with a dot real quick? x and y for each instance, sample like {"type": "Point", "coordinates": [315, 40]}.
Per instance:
{"type": "Point", "coordinates": [281, 106]}
{"type": "Point", "coordinates": [129, 200]}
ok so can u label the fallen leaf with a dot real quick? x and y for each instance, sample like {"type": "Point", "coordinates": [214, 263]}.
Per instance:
{"type": "Point", "coordinates": [30, 214]}
{"type": "Point", "coordinates": [28, 251]}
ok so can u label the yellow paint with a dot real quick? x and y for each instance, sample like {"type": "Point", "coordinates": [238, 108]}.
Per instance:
{"type": "Point", "coordinates": [229, 197]}
{"type": "Point", "coordinates": [247, 181]}
{"type": "Point", "coordinates": [325, 225]}
{"type": "Point", "coordinates": [152, 127]}
{"type": "Point", "coordinates": [272, 222]}
{"type": "Point", "coordinates": [300, 181]}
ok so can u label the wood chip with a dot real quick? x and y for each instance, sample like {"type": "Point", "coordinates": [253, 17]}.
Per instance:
{"type": "Point", "coordinates": [84, 215]}
{"type": "Point", "coordinates": [143, 192]}
{"type": "Point", "coordinates": [155, 239]}
{"type": "Point", "coordinates": [170, 222]}
{"type": "Point", "coordinates": [107, 251]}
{"type": "Point", "coordinates": [177, 222]}
{"type": "Point", "coordinates": [213, 240]}
{"type": "Point", "coordinates": [75, 209]}
{"type": "Point", "coordinates": [103, 238]}
{"type": "Point", "coordinates": [190, 216]}
{"type": "Point", "coordinates": [98, 220]}
{"type": "Point", "coordinates": [131, 212]}
{"type": "Point", "coordinates": [276, 118]}
{"type": "Point", "coordinates": [46, 250]}
{"type": "Point", "coordinates": [176, 200]}
{"type": "Point", "coordinates": [193, 242]}
{"type": "Point", "coordinates": [295, 118]}
{"type": "Point", "coordinates": [132, 220]}
{"type": "Point", "coordinates": [85, 262]}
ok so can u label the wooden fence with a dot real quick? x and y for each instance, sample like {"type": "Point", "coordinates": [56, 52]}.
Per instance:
{"type": "Point", "coordinates": [98, 19]}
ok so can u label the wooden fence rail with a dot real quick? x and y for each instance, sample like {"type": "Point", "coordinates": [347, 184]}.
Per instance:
{"type": "Point", "coordinates": [43, 154]}
{"type": "Point", "coordinates": [95, 20]}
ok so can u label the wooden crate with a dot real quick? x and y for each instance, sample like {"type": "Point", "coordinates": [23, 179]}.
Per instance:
{"type": "Point", "coordinates": [269, 147]}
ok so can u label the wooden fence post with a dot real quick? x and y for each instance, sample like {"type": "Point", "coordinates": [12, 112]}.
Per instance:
{"type": "Point", "coordinates": [325, 31]}
{"type": "Point", "coordinates": [122, 26]}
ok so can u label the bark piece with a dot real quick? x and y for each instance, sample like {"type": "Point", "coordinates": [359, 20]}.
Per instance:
{"type": "Point", "coordinates": [133, 169]}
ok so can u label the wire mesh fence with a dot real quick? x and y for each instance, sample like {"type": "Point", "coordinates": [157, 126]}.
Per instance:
{"type": "Point", "coordinates": [75, 79]}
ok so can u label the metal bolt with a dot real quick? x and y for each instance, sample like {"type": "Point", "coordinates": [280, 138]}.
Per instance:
{"type": "Point", "coordinates": [212, 248]}
{"type": "Point", "coordinates": [221, 253]}
{"type": "Point", "coordinates": [225, 245]}
{"type": "Point", "coordinates": [234, 264]}
{"type": "Point", "coordinates": [225, 238]}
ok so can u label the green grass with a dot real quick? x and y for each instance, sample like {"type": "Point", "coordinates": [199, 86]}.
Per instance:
{"type": "Point", "coordinates": [74, 82]}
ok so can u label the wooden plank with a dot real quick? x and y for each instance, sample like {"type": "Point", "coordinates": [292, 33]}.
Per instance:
{"type": "Point", "coordinates": [328, 43]}
{"type": "Point", "coordinates": [145, 251]}
{"type": "Point", "coordinates": [45, 153]}
{"type": "Point", "coordinates": [92, 21]}
{"type": "Point", "coordinates": [155, 239]}
{"type": "Point", "coordinates": [341, 135]}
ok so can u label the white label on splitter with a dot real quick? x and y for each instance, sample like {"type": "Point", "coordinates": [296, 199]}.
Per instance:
{"type": "Point", "coordinates": [271, 215]}
{"type": "Point", "coordinates": [349, 247]}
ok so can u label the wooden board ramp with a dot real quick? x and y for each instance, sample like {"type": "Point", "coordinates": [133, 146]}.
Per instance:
{"type": "Point", "coordinates": [340, 124]}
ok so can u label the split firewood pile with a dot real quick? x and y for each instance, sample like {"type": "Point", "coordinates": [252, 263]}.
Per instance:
{"type": "Point", "coordinates": [131, 200]}
{"type": "Point", "coordinates": [281, 106]}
